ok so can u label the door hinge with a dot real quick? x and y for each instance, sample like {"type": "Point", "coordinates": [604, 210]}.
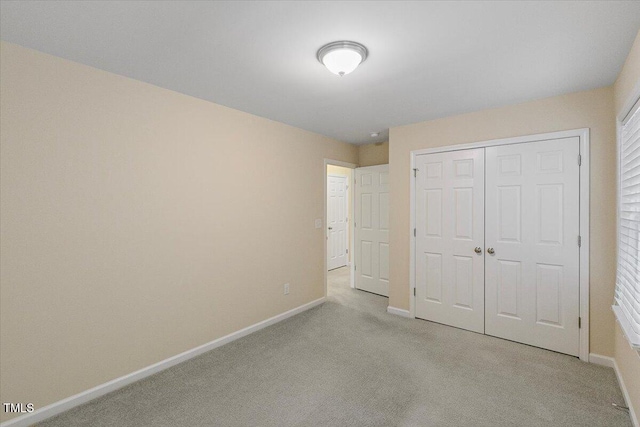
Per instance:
{"type": "Point", "coordinates": [414, 232]}
{"type": "Point", "coordinates": [414, 292]}
{"type": "Point", "coordinates": [355, 267]}
{"type": "Point", "coordinates": [347, 251]}
{"type": "Point", "coordinates": [415, 173]}
{"type": "Point", "coordinates": [579, 159]}
{"type": "Point", "coordinates": [579, 241]}
{"type": "Point", "coordinates": [579, 322]}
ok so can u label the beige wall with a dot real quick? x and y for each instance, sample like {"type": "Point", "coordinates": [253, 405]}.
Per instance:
{"type": "Point", "coordinates": [339, 170]}
{"type": "Point", "coordinates": [592, 109]}
{"type": "Point", "coordinates": [138, 223]}
{"type": "Point", "coordinates": [373, 154]}
{"type": "Point", "coordinates": [627, 359]}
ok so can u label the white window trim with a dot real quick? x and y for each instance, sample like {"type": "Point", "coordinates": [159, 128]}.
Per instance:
{"type": "Point", "coordinates": [634, 100]}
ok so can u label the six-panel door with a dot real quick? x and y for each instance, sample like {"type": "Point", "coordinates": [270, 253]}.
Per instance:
{"type": "Point", "coordinates": [372, 229]}
{"type": "Point", "coordinates": [532, 226]}
{"type": "Point", "coordinates": [336, 221]}
{"type": "Point", "coordinates": [449, 231]}
{"type": "Point", "coordinates": [497, 249]}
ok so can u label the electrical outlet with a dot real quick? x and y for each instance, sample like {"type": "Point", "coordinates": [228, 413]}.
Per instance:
{"type": "Point", "coordinates": [286, 289]}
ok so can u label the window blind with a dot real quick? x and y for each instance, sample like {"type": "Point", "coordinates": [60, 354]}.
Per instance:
{"type": "Point", "coordinates": [627, 294]}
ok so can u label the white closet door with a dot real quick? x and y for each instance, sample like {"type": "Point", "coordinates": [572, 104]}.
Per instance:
{"type": "Point", "coordinates": [532, 212]}
{"type": "Point", "coordinates": [337, 221]}
{"type": "Point", "coordinates": [372, 229]}
{"type": "Point", "coordinates": [449, 227]}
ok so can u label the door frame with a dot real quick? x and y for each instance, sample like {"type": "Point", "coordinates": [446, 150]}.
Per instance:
{"type": "Point", "coordinates": [351, 194]}
{"type": "Point", "coordinates": [348, 237]}
{"type": "Point", "coordinates": [583, 135]}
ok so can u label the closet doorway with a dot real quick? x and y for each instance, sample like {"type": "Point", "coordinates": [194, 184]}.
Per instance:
{"type": "Point", "coordinates": [501, 230]}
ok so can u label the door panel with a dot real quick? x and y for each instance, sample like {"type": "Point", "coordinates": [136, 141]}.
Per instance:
{"type": "Point", "coordinates": [384, 261]}
{"type": "Point", "coordinates": [372, 229]}
{"type": "Point", "coordinates": [336, 221]}
{"type": "Point", "coordinates": [509, 287]}
{"type": "Point", "coordinates": [449, 226]}
{"type": "Point", "coordinates": [463, 282]}
{"type": "Point", "coordinates": [532, 220]}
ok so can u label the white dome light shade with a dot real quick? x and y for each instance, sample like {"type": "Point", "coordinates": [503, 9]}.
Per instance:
{"type": "Point", "coordinates": [342, 61]}
{"type": "Point", "coordinates": [342, 57]}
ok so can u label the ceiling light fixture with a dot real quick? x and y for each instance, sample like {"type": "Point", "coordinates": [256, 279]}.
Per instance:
{"type": "Point", "coordinates": [342, 57]}
{"type": "Point", "coordinates": [375, 134]}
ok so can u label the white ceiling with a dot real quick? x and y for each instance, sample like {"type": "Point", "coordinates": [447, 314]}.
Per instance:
{"type": "Point", "coordinates": [427, 59]}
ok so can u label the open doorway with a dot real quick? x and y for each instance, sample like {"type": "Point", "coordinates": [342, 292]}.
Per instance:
{"type": "Point", "coordinates": [338, 220]}
{"type": "Point", "coordinates": [338, 216]}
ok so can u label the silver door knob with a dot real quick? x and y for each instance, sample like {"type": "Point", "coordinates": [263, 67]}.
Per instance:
{"type": "Point", "coordinates": [490, 251]}
{"type": "Point", "coordinates": [478, 250]}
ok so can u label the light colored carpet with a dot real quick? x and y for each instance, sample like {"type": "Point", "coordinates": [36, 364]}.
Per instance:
{"type": "Point", "coordinates": [349, 363]}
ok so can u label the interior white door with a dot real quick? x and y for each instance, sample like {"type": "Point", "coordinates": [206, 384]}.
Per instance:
{"type": "Point", "coordinates": [449, 196]}
{"type": "Point", "coordinates": [372, 229]}
{"type": "Point", "coordinates": [532, 227]}
{"type": "Point", "coordinates": [337, 219]}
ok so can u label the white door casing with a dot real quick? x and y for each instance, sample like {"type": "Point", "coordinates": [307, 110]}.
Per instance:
{"type": "Point", "coordinates": [337, 221]}
{"type": "Point", "coordinates": [449, 202]}
{"type": "Point", "coordinates": [532, 225]}
{"type": "Point", "coordinates": [372, 229]}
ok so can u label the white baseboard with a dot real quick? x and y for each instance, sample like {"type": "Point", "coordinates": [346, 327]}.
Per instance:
{"type": "Point", "coordinates": [87, 395]}
{"type": "Point", "coordinates": [632, 410]}
{"type": "Point", "coordinates": [598, 359]}
{"type": "Point", "coordinates": [610, 362]}
{"type": "Point", "coordinates": [398, 312]}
